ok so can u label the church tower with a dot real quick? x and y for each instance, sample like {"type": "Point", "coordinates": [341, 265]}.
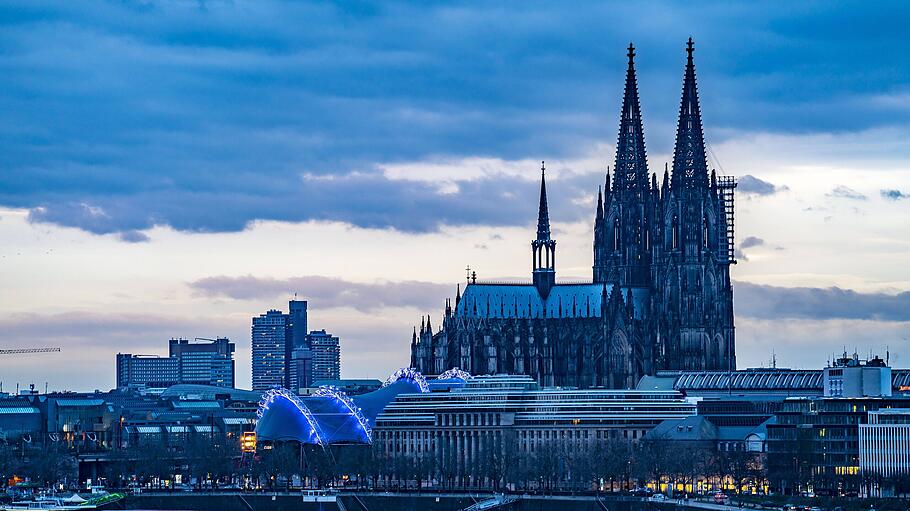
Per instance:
{"type": "Point", "coordinates": [694, 277]}
{"type": "Point", "coordinates": [623, 228]}
{"type": "Point", "coordinates": [543, 249]}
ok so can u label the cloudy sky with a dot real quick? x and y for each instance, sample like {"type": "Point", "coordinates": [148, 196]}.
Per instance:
{"type": "Point", "coordinates": [173, 168]}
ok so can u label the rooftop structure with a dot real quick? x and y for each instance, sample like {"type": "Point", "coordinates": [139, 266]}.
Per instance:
{"type": "Point", "coordinates": [781, 382]}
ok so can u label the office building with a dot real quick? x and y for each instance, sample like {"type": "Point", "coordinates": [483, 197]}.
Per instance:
{"type": "Point", "coordinates": [210, 362]}
{"type": "Point", "coordinates": [271, 349]}
{"type": "Point", "coordinates": [297, 323]}
{"type": "Point", "coordinates": [146, 371]}
{"type": "Point", "coordinates": [884, 449]}
{"type": "Point", "coordinates": [275, 336]}
{"type": "Point", "coordinates": [301, 369]}
{"type": "Point", "coordinates": [326, 355]}
{"type": "Point", "coordinates": [466, 424]}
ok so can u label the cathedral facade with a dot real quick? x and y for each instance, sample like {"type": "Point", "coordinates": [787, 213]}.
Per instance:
{"type": "Point", "coordinates": [660, 296]}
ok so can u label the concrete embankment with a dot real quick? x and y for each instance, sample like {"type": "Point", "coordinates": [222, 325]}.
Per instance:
{"type": "Point", "coordinates": [374, 502]}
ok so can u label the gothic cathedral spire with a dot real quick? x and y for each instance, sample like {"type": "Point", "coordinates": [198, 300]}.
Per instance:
{"type": "Point", "coordinates": [631, 163]}
{"type": "Point", "coordinates": [690, 166]}
{"type": "Point", "coordinates": [543, 249]}
{"type": "Point", "coordinates": [543, 212]}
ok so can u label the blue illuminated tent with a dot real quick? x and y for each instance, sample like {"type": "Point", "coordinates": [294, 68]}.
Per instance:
{"type": "Point", "coordinates": [332, 417]}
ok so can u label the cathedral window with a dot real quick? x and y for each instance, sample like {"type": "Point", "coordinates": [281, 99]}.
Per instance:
{"type": "Point", "coordinates": [675, 233]}
{"type": "Point", "coordinates": [616, 234]}
{"type": "Point", "coordinates": [706, 231]}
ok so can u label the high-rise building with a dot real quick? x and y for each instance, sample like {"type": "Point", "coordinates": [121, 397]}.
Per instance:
{"type": "Point", "coordinates": [326, 355]}
{"type": "Point", "coordinates": [301, 369]}
{"type": "Point", "coordinates": [146, 371]}
{"type": "Point", "coordinates": [209, 363]}
{"type": "Point", "coordinates": [271, 346]}
{"type": "Point", "coordinates": [275, 336]}
{"type": "Point", "coordinates": [660, 297]}
{"type": "Point", "coordinates": [297, 323]}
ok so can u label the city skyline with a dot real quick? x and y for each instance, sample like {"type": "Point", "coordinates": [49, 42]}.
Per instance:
{"type": "Point", "coordinates": [178, 179]}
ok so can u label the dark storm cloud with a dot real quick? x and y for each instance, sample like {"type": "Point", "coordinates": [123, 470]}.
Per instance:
{"type": "Point", "coordinates": [751, 241]}
{"type": "Point", "coordinates": [754, 186]}
{"type": "Point", "coordinates": [203, 116]}
{"type": "Point", "coordinates": [768, 302]}
{"type": "Point", "coordinates": [894, 195]}
{"type": "Point", "coordinates": [328, 291]}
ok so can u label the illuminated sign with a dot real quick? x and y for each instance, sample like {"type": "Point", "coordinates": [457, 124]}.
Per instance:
{"type": "Point", "coordinates": [248, 442]}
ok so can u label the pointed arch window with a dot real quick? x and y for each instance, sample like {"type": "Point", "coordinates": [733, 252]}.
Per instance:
{"type": "Point", "coordinates": [647, 236]}
{"type": "Point", "coordinates": [706, 232]}
{"type": "Point", "coordinates": [616, 235]}
{"type": "Point", "coordinates": [675, 233]}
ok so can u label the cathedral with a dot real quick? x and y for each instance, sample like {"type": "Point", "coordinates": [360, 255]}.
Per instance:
{"type": "Point", "coordinates": [660, 296]}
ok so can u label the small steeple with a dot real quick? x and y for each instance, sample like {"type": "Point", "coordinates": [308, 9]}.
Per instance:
{"type": "Point", "coordinates": [600, 208]}
{"type": "Point", "coordinates": [631, 162]}
{"type": "Point", "coordinates": [543, 213]}
{"type": "Point", "coordinates": [690, 167]}
{"type": "Point", "coordinates": [457, 295]}
{"type": "Point", "coordinates": [429, 327]}
{"type": "Point", "coordinates": [543, 249]}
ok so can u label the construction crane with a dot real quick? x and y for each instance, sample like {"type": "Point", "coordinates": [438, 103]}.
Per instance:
{"type": "Point", "coordinates": [20, 351]}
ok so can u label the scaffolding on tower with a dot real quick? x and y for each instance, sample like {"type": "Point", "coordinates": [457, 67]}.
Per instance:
{"type": "Point", "coordinates": [726, 185]}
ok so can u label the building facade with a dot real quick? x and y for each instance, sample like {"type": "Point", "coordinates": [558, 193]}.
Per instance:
{"type": "Point", "coordinates": [210, 362]}
{"type": "Point", "coordinates": [326, 350]}
{"type": "Point", "coordinates": [285, 355]}
{"type": "Point", "coordinates": [271, 345]}
{"type": "Point", "coordinates": [301, 375]}
{"type": "Point", "coordinates": [884, 447]}
{"type": "Point", "coordinates": [505, 415]}
{"type": "Point", "coordinates": [660, 296]}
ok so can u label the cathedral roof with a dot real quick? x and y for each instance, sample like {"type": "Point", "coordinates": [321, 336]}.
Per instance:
{"type": "Point", "coordinates": [524, 301]}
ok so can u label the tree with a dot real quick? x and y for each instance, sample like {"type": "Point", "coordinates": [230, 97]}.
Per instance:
{"type": "Point", "coordinates": [209, 460]}
{"type": "Point", "coordinates": [613, 460]}
{"type": "Point", "coordinates": [10, 462]}
{"type": "Point", "coordinates": [279, 462]}
{"type": "Point", "coordinates": [651, 460]}
{"type": "Point", "coordinates": [49, 465]}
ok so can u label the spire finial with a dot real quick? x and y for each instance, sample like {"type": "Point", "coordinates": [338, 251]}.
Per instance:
{"type": "Point", "coordinates": [543, 213]}
{"type": "Point", "coordinates": [631, 160]}
{"type": "Point", "coordinates": [690, 167]}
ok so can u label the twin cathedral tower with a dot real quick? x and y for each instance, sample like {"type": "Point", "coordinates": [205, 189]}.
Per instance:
{"type": "Point", "coordinates": [660, 297]}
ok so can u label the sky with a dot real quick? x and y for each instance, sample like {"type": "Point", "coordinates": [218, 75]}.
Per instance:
{"type": "Point", "coordinates": [170, 169]}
